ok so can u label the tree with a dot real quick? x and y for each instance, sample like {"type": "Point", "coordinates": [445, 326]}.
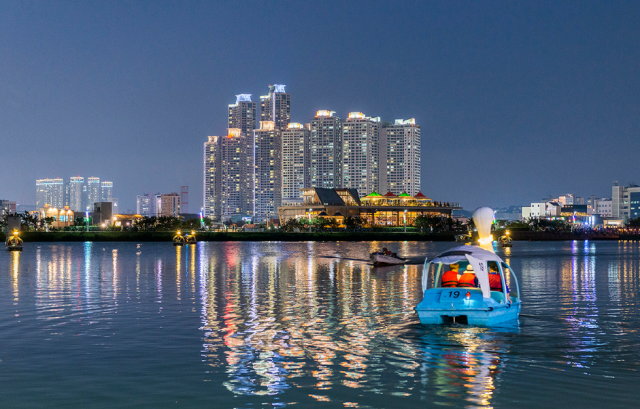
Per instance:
{"type": "Point", "coordinates": [354, 222]}
{"type": "Point", "coordinates": [290, 225]}
{"type": "Point", "coordinates": [633, 222]}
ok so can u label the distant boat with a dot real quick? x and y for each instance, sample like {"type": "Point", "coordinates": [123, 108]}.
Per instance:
{"type": "Point", "coordinates": [191, 238]}
{"type": "Point", "coordinates": [13, 242]}
{"type": "Point", "coordinates": [178, 239]}
{"type": "Point", "coordinates": [386, 258]}
{"type": "Point", "coordinates": [506, 240]}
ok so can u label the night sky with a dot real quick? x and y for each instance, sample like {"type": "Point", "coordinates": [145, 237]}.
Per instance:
{"type": "Point", "coordinates": [516, 101]}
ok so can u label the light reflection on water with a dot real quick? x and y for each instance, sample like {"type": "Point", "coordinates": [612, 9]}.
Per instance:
{"type": "Point", "coordinates": [311, 324]}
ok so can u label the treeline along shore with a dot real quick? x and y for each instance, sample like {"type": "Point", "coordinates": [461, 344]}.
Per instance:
{"type": "Point", "coordinates": [166, 236]}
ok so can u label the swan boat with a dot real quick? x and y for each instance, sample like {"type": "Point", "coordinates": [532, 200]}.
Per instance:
{"type": "Point", "coordinates": [474, 306]}
{"type": "Point", "coordinates": [178, 239]}
{"type": "Point", "coordinates": [191, 238]}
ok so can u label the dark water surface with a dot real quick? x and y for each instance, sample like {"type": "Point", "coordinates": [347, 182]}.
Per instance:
{"type": "Point", "coordinates": [111, 325]}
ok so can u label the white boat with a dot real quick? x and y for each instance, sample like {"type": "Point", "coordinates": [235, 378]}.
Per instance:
{"type": "Point", "coordinates": [382, 259]}
{"type": "Point", "coordinates": [491, 298]}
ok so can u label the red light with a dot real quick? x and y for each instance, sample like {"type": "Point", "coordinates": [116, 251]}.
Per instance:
{"type": "Point", "coordinates": [468, 294]}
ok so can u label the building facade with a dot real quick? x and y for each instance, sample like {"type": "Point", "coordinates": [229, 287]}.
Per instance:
{"type": "Point", "coordinates": [212, 179]}
{"type": "Point", "coordinates": [76, 189]}
{"type": "Point", "coordinates": [296, 162]}
{"type": "Point", "coordinates": [50, 192]}
{"type": "Point", "coordinates": [267, 171]}
{"type": "Point", "coordinates": [143, 205]}
{"type": "Point", "coordinates": [360, 154]}
{"type": "Point", "coordinates": [7, 207]}
{"type": "Point", "coordinates": [400, 144]}
{"type": "Point", "coordinates": [169, 205]}
{"type": "Point", "coordinates": [276, 107]}
{"type": "Point", "coordinates": [325, 148]}
{"type": "Point", "coordinates": [625, 203]}
{"type": "Point", "coordinates": [62, 216]}
{"type": "Point", "coordinates": [94, 191]}
{"type": "Point", "coordinates": [106, 191]}
{"type": "Point", "coordinates": [242, 114]}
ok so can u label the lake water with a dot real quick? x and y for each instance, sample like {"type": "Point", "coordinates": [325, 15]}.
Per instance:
{"type": "Point", "coordinates": [248, 325]}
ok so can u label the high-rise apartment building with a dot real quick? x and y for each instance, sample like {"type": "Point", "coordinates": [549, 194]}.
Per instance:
{"type": "Point", "coordinates": [242, 114]}
{"type": "Point", "coordinates": [51, 192]}
{"type": "Point", "coordinates": [400, 153]}
{"type": "Point", "coordinates": [296, 161]}
{"type": "Point", "coordinates": [360, 156]}
{"type": "Point", "coordinates": [76, 188]}
{"type": "Point", "coordinates": [268, 170]}
{"type": "Point", "coordinates": [276, 107]}
{"type": "Point", "coordinates": [326, 150]}
{"type": "Point", "coordinates": [143, 205]}
{"type": "Point", "coordinates": [94, 191]}
{"type": "Point", "coordinates": [229, 182]}
{"type": "Point", "coordinates": [106, 191]}
{"type": "Point", "coordinates": [212, 179]}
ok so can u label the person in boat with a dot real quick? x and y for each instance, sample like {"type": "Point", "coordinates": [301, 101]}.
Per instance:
{"type": "Point", "coordinates": [468, 279]}
{"type": "Point", "coordinates": [451, 277]}
{"type": "Point", "coordinates": [386, 251]}
{"type": "Point", "coordinates": [495, 283]}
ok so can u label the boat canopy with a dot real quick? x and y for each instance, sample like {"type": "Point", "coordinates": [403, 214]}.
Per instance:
{"type": "Point", "coordinates": [476, 256]}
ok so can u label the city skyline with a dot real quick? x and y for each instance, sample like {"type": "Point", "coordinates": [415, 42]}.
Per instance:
{"type": "Point", "coordinates": [535, 94]}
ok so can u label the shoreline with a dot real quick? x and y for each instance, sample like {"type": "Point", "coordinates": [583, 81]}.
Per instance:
{"type": "Point", "coordinates": [296, 237]}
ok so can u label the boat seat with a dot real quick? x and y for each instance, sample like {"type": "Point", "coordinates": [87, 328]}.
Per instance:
{"type": "Point", "coordinates": [497, 296]}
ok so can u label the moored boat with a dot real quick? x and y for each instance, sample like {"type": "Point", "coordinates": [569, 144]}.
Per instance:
{"type": "Point", "coordinates": [191, 238]}
{"type": "Point", "coordinates": [506, 240]}
{"type": "Point", "coordinates": [178, 239]}
{"type": "Point", "coordinates": [13, 242]}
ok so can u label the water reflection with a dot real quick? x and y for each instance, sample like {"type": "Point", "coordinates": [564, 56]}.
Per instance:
{"type": "Point", "coordinates": [311, 322]}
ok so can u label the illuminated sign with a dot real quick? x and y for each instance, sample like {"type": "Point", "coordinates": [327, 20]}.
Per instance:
{"type": "Point", "coordinates": [411, 122]}
{"type": "Point", "coordinates": [243, 98]}
{"type": "Point", "coordinates": [356, 115]}
{"type": "Point", "coordinates": [325, 113]}
{"type": "Point", "coordinates": [233, 132]}
{"type": "Point", "coordinates": [279, 88]}
{"type": "Point", "coordinates": [295, 125]}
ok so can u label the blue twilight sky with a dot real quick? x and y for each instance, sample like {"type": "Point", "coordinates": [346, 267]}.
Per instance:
{"type": "Point", "coordinates": [516, 100]}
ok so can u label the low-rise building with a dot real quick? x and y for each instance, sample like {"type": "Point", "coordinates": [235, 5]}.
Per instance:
{"type": "Point", "coordinates": [62, 217]}
{"type": "Point", "coordinates": [378, 210]}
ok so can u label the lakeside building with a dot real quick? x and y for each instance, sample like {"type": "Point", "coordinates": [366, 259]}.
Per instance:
{"type": "Point", "coordinates": [242, 114]}
{"type": "Point", "coordinates": [400, 153]}
{"type": "Point", "coordinates": [625, 201]}
{"type": "Point", "coordinates": [381, 211]}
{"type": "Point", "coordinates": [296, 160]}
{"type": "Point", "coordinates": [50, 192]}
{"type": "Point", "coordinates": [62, 217]}
{"type": "Point", "coordinates": [326, 150]}
{"type": "Point", "coordinates": [360, 154]}
{"type": "Point", "coordinates": [276, 107]}
{"type": "Point", "coordinates": [268, 170]}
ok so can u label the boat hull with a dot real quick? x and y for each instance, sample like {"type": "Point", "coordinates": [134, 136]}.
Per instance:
{"type": "Point", "coordinates": [473, 310]}
{"type": "Point", "coordinates": [14, 248]}
{"type": "Point", "coordinates": [384, 260]}
{"type": "Point", "coordinates": [178, 244]}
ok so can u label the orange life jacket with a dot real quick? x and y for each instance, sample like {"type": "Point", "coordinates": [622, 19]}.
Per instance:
{"type": "Point", "coordinates": [467, 280]}
{"type": "Point", "coordinates": [450, 279]}
{"type": "Point", "coordinates": [495, 283]}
